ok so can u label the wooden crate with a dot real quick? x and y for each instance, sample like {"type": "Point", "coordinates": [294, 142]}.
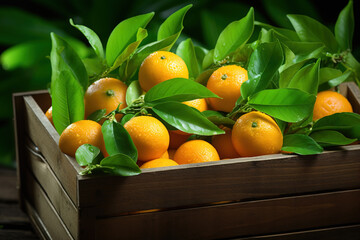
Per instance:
{"type": "Point", "coordinates": [267, 197]}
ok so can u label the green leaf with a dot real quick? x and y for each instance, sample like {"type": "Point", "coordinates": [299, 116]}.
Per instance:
{"type": "Point", "coordinates": [344, 27]}
{"type": "Point", "coordinates": [289, 34]}
{"type": "Point", "coordinates": [117, 140]}
{"type": "Point", "coordinates": [301, 144]}
{"type": "Point", "coordinates": [186, 51]}
{"type": "Point", "coordinates": [263, 65]}
{"type": "Point", "coordinates": [68, 84]}
{"type": "Point", "coordinates": [307, 78]}
{"type": "Point", "coordinates": [234, 36]}
{"type": "Point", "coordinates": [88, 154]}
{"type": "Point", "coordinates": [173, 24]}
{"type": "Point", "coordinates": [200, 53]}
{"type": "Point", "coordinates": [185, 118]}
{"type": "Point", "coordinates": [130, 49]}
{"type": "Point", "coordinates": [94, 67]}
{"type": "Point", "coordinates": [121, 164]}
{"type": "Point", "coordinates": [177, 89]}
{"type": "Point", "coordinates": [305, 50]}
{"type": "Point", "coordinates": [289, 72]}
{"type": "Point", "coordinates": [329, 138]}
{"type": "Point", "coordinates": [25, 54]}
{"type": "Point", "coordinates": [123, 35]}
{"type": "Point", "coordinates": [97, 115]}
{"type": "Point", "coordinates": [208, 59]}
{"type": "Point", "coordinates": [286, 104]}
{"type": "Point", "coordinates": [92, 38]}
{"type": "Point", "coordinates": [218, 119]}
{"type": "Point", "coordinates": [310, 30]}
{"type": "Point", "coordinates": [346, 123]}
{"type": "Point", "coordinates": [330, 77]}
{"type": "Point", "coordinates": [133, 92]}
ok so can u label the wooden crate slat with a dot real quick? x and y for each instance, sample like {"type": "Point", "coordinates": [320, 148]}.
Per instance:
{"type": "Point", "coordinates": [53, 223]}
{"type": "Point", "coordinates": [45, 137]}
{"type": "Point", "coordinates": [238, 219]}
{"type": "Point", "coordinates": [236, 179]}
{"type": "Point", "coordinates": [65, 208]}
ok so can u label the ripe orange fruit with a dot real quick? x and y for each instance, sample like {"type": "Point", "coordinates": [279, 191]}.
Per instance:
{"type": "Point", "coordinates": [330, 102]}
{"type": "Point", "coordinates": [159, 162]}
{"type": "Point", "coordinates": [200, 104]}
{"type": "Point", "coordinates": [149, 135]}
{"type": "Point", "coordinates": [49, 116]}
{"type": "Point", "coordinates": [79, 133]}
{"type": "Point", "coordinates": [105, 93]}
{"type": "Point", "coordinates": [223, 145]}
{"type": "Point", "coordinates": [196, 151]}
{"type": "Point", "coordinates": [226, 82]}
{"type": "Point", "coordinates": [161, 66]}
{"type": "Point", "coordinates": [255, 134]}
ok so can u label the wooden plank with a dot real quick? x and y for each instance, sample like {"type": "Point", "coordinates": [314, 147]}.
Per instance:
{"type": "Point", "coordinates": [349, 232]}
{"type": "Point", "coordinates": [62, 203]}
{"type": "Point", "coordinates": [45, 137]}
{"type": "Point", "coordinates": [228, 180]}
{"type": "Point", "coordinates": [46, 214]}
{"type": "Point", "coordinates": [238, 219]}
{"type": "Point", "coordinates": [353, 95]}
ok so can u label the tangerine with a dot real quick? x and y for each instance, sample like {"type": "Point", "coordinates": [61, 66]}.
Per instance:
{"type": "Point", "coordinates": [149, 135]}
{"type": "Point", "coordinates": [226, 82]}
{"type": "Point", "coordinates": [330, 102]}
{"type": "Point", "coordinates": [255, 134]}
{"type": "Point", "coordinates": [161, 66]}
{"type": "Point", "coordinates": [159, 162]}
{"type": "Point", "coordinates": [196, 151]}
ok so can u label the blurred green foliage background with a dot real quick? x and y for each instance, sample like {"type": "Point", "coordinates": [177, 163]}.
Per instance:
{"type": "Point", "coordinates": [25, 35]}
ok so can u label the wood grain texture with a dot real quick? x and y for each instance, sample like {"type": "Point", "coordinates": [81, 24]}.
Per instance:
{"type": "Point", "coordinates": [62, 203]}
{"type": "Point", "coordinates": [232, 180]}
{"type": "Point", "coordinates": [238, 219]}
{"type": "Point", "coordinates": [47, 219]}
{"type": "Point", "coordinates": [349, 232]}
{"type": "Point", "coordinates": [45, 137]}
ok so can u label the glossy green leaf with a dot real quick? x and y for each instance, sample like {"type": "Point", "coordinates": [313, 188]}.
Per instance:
{"type": "Point", "coordinates": [177, 89]}
{"type": "Point", "coordinates": [289, 72]}
{"type": "Point", "coordinates": [200, 53]}
{"type": "Point", "coordinates": [346, 123]}
{"type": "Point", "coordinates": [301, 144]}
{"type": "Point", "coordinates": [330, 77]}
{"type": "Point", "coordinates": [185, 118]}
{"type": "Point", "coordinates": [310, 30]}
{"type": "Point", "coordinates": [117, 140]}
{"type": "Point", "coordinates": [286, 104]}
{"type": "Point", "coordinates": [234, 35]}
{"type": "Point", "coordinates": [92, 38]}
{"type": "Point", "coordinates": [68, 84]}
{"type": "Point", "coordinates": [291, 35]}
{"type": "Point", "coordinates": [218, 119]}
{"type": "Point", "coordinates": [88, 154]}
{"type": "Point", "coordinates": [307, 78]}
{"type": "Point", "coordinates": [186, 51]}
{"type": "Point", "coordinates": [121, 164]}
{"type": "Point", "coordinates": [173, 24]}
{"type": "Point", "coordinates": [208, 59]}
{"type": "Point", "coordinates": [305, 50]}
{"type": "Point", "coordinates": [329, 138]}
{"type": "Point", "coordinates": [344, 27]}
{"type": "Point", "coordinates": [130, 49]}
{"type": "Point", "coordinates": [264, 63]}
{"type": "Point", "coordinates": [97, 115]}
{"type": "Point", "coordinates": [123, 35]}
{"type": "Point", "coordinates": [133, 92]}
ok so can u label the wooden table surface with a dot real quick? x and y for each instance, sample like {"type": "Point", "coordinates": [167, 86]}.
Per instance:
{"type": "Point", "coordinates": [14, 223]}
